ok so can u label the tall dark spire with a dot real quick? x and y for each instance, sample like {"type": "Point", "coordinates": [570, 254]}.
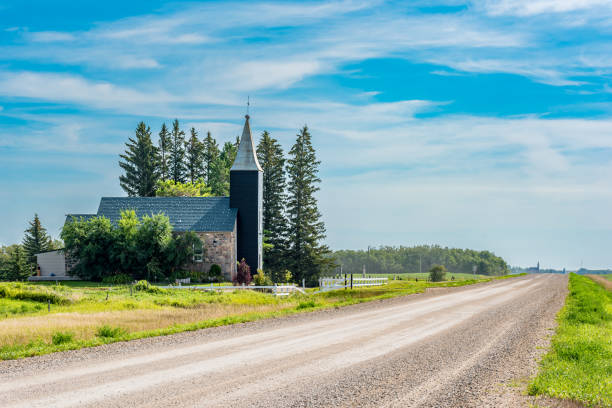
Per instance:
{"type": "Point", "coordinates": [246, 195]}
{"type": "Point", "coordinates": [246, 158]}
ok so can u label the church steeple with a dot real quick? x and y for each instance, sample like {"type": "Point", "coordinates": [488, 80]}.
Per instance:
{"type": "Point", "coordinates": [246, 157]}
{"type": "Point", "coordinates": [246, 195]}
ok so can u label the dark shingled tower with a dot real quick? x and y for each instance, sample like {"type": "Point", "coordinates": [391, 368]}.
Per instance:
{"type": "Point", "coordinates": [246, 195]}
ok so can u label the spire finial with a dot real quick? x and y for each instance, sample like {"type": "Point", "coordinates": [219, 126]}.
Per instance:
{"type": "Point", "coordinates": [248, 105]}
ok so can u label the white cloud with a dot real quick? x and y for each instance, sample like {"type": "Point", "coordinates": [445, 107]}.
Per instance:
{"type": "Point", "coordinates": [533, 7]}
{"type": "Point", "coordinates": [70, 88]}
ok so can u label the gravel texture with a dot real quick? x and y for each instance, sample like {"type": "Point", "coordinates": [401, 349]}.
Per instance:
{"type": "Point", "coordinates": [472, 346]}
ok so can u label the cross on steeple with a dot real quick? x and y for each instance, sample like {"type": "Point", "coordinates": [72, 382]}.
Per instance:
{"type": "Point", "coordinates": [248, 103]}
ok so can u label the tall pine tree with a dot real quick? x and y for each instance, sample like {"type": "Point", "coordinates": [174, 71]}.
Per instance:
{"type": "Point", "coordinates": [194, 150]}
{"type": "Point", "coordinates": [36, 240]}
{"type": "Point", "coordinates": [164, 153]}
{"type": "Point", "coordinates": [140, 164]}
{"type": "Point", "coordinates": [211, 154]}
{"type": "Point", "coordinates": [177, 153]}
{"type": "Point", "coordinates": [307, 257]}
{"type": "Point", "coordinates": [219, 177]}
{"type": "Point", "coordinates": [270, 156]}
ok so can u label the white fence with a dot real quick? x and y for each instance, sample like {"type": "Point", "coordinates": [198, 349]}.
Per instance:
{"type": "Point", "coordinates": [327, 284]}
{"type": "Point", "coordinates": [278, 290]}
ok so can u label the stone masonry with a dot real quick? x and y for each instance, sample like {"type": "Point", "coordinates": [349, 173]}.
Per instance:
{"type": "Point", "coordinates": [220, 249]}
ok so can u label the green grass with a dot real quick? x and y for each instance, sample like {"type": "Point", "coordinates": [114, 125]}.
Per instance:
{"type": "Point", "coordinates": [579, 364]}
{"type": "Point", "coordinates": [85, 318]}
{"type": "Point", "coordinates": [608, 276]}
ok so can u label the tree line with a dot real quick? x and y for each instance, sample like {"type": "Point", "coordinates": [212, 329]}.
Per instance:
{"type": "Point", "coordinates": [293, 229]}
{"type": "Point", "coordinates": [395, 260]}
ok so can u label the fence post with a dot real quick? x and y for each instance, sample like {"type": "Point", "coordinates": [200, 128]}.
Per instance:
{"type": "Point", "coordinates": [351, 281]}
{"type": "Point", "coordinates": [275, 289]}
{"type": "Point", "coordinates": [345, 282]}
{"type": "Point", "coordinates": [48, 305]}
{"type": "Point", "coordinates": [303, 283]}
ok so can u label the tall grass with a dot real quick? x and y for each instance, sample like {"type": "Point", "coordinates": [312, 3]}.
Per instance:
{"type": "Point", "coordinates": [579, 363]}
{"type": "Point", "coordinates": [20, 291]}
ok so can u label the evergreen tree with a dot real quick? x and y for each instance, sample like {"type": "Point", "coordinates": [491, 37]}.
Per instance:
{"type": "Point", "coordinates": [306, 256]}
{"type": "Point", "coordinates": [270, 156]}
{"type": "Point", "coordinates": [140, 164]}
{"type": "Point", "coordinates": [164, 153]}
{"type": "Point", "coordinates": [18, 268]}
{"type": "Point", "coordinates": [36, 241]}
{"type": "Point", "coordinates": [194, 151]}
{"type": "Point", "coordinates": [211, 154]}
{"type": "Point", "coordinates": [219, 178]}
{"type": "Point", "coordinates": [177, 153]}
{"type": "Point", "coordinates": [220, 171]}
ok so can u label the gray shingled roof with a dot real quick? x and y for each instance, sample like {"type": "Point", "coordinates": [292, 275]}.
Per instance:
{"type": "Point", "coordinates": [185, 213]}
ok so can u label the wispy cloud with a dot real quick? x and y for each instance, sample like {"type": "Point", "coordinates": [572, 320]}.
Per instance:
{"type": "Point", "coordinates": [534, 7]}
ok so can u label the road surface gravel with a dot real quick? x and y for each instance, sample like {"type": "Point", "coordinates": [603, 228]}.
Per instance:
{"type": "Point", "coordinates": [450, 347]}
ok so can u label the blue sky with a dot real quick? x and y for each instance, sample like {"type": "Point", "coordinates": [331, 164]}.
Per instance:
{"type": "Point", "coordinates": [481, 124]}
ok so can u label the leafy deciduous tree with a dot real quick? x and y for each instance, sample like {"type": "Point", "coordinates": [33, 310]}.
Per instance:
{"type": "Point", "coordinates": [169, 188]}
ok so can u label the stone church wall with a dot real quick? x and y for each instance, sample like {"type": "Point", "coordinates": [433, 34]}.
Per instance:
{"type": "Point", "coordinates": [220, 248]}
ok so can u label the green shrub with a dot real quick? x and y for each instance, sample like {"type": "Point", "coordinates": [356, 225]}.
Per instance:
{"type": "Point", "coordinates": [288, 276]}
{"type": "Point", "coordinates": [437, 273]}
{"type": "Point", "coordinates": [215, 273]}
{"type": "Point", "coordinates": [261, 279]}
{"type": "Point", "coordinates": [306, 305]}
{"type": "Point", "coordinates": [121, 279]}
{"type": "Point", "coordinates": [62, 338]}
{"type": "Point", "coordinates": [109, 332]}
{"type": "Point", "coordinates": [144, 286]}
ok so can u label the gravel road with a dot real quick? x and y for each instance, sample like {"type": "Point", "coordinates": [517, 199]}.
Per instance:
{"type": "Point", "coordinates": [455, 347]}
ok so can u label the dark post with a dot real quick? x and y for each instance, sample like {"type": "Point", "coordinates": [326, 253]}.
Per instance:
{"type": "Point", "coordinates": [351, 281]}
{"type": "Point", "coordinates": [48, 305]}
{"type": "Point", "coordinates": [345, 282]}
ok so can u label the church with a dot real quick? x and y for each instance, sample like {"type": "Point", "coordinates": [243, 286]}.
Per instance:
{"type": "Point", "coordinates": [230, 228]}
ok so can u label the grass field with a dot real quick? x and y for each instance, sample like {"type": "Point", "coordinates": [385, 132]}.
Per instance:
{"type": "Point", "coordinates": [425, 276]}
{"type": "Point", "coordinates": [84, 314]}
{"type": "Point", "coordinates": [578, 365]}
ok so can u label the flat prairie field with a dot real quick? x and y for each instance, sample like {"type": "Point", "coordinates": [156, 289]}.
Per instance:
{"type": "Point", "coordinates": [40, 318]}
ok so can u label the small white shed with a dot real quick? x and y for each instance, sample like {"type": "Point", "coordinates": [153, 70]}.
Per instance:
{"type": "Point", "coordinates": [52, 266]}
